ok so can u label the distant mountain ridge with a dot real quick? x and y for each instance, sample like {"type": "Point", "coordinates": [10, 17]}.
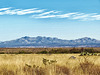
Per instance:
{"type": "Point", "coordinates": [50, 42]}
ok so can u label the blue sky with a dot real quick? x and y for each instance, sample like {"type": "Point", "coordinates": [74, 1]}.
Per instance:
{"type": "Point", "coordinates": [65, 19]}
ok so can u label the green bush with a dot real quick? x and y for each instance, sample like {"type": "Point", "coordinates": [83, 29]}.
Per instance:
{"type": "Point", "coordinates": [42, 52]}
{"type": "Point", "coordinates": [75, 50]}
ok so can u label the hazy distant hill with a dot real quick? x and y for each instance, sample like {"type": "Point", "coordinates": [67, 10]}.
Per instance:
{"type": "Point", "coordinates": [50, 42]}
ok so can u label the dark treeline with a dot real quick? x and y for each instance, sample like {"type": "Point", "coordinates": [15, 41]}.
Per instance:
{"type": "Point", "coordinates": [47, 50]}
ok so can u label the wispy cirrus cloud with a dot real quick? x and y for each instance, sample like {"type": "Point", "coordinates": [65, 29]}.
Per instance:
{"type": "Point", "coordinates": [10, 11]}
{"type": "Point", "coordinates": [43, 14]}
{"type": "Point", "coordinates": [4, 9]}
{"type": "Point", "coordinates": [72, 16]}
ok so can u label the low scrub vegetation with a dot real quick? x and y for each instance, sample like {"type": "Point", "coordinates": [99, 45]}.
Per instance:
{"type": "Point", "coordinates": [47, 50]}
{"type": "Point", "coordinates": [83, 51]}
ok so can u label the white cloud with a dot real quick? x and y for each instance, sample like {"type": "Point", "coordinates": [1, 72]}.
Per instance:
{"type": "Point", "coordinates": [42, 13]}
{"type": "Point", "coordinates": [86, 17]}
{"type": "Point", "coordinates": [9, 11]}
{"type": "Point", "coordinates": [97, 17]}
{"type": "Point", "coordinates": [65, 15]}
{"type": "Point", "coordinates": [4, 9]}
{"type": "Point", "coordinates": [73, 16]}
{"type": "Point", "coordinates": [48, 16]}
{"type": "Point", "coordinates": [49, 12]}
{"type": "Point", "coordinates": [53, 15]}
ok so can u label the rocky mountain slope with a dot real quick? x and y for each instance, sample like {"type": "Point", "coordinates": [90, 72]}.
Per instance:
{"type": "Point", "coordinates": [50, 42]}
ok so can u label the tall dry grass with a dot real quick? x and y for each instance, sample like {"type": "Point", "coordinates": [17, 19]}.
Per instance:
{"type": "Point", "coordinates": [32, 64]}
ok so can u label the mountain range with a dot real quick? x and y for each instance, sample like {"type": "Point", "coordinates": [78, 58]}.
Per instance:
{"type": "Point", "coordinates": [50, 42]}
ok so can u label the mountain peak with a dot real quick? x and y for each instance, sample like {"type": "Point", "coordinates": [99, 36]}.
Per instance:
{"type": "Point", "coordinates": [40, 41]}
{"type": "Point", "coordinates": [25, 37]}
{"type": "Point", "coordinates": [86, 38]}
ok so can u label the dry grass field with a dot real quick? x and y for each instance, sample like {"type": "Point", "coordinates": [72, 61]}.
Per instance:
{"type": "Point", "coordinates": [49, 64]}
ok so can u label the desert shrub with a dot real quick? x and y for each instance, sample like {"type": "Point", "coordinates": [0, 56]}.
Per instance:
{"type": "Point", "coordinates": [58, 51]}
{"type": "Point", "coordinates": [21, 52]}
{"type": "Point", "coordinates": [90, 50]}
{"type": "Point", "coordinates": [88, 54]}
{"type": "Point", "coordinates": [24, 52]}
{"type": "Point", "coordinates": [53, 51]}
{"type": "Point", "coordinates": [33, 70]}
{"type": "Point", "coordinates": [2, 53]}
{"type": "Point", "coordinates": [65, 50]}
{"type": "Point", "coordinates": [75, 50]}
{"type": "Point", "coordinates": [47, 50]}
{"type": "Point", "coordinates": [46, 61]}
{"type": "Point", "coordinates": [84, 53]}
{"type": "Point", "coordinates": [42, 52]}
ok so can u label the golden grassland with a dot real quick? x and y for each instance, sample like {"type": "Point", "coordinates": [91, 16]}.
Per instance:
{"type": "Point", "coordinates": [32, 64]}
